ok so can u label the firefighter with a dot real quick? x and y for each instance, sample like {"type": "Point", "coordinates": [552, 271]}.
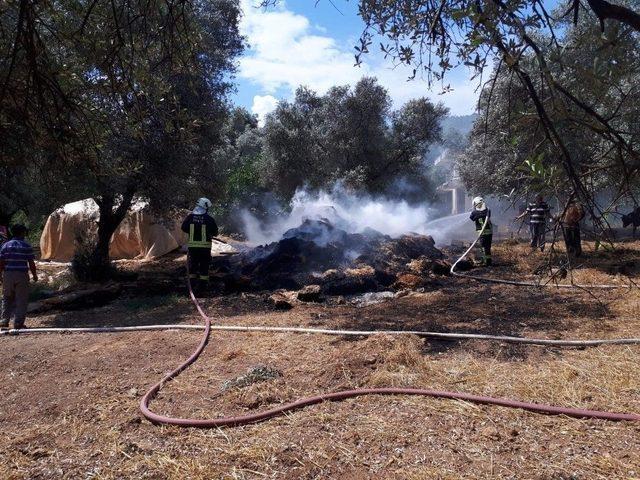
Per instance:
{"type": "Point", "coordinates": [481, 215]}
{"type": "Point", "coordinates": [201, 228]}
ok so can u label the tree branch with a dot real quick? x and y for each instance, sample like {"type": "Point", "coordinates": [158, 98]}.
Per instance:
{"type": "Point", "coordinates": [605, 10]}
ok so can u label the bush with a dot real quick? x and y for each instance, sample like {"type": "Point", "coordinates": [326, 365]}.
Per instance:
{"type": "Point", "coordinates": [85, 268]}
{"type": "Point", "coordinates": [34, 225]}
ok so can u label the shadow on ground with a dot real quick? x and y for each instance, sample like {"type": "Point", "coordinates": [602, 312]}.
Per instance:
{"type": "Point", "coordinates": [481, 309]}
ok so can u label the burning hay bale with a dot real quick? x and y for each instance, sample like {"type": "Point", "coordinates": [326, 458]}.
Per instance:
{"type": "Point", "coordinates": [349, 281]}
{"type": "Point", "coordinates": [310, 293]}
{"type": "Point", "coordinates": [409, 281]}
{"type": "Point", "coordinates": [282, 300]}
{"type": "Point", "coordinates": [318, 258]}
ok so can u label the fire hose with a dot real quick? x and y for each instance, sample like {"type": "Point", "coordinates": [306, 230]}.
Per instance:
{"type": "Point", "coordinates": [446, 336]}
{"type": "Point", "coordinates": [341, 395]}
{"type": "Point", "coordinates": [158, 419]}
{"type": "Point", "coordinates": [514, 282]}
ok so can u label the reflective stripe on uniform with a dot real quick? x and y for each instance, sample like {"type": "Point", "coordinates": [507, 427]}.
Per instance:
{"type": "Point", "coordinates": [202, 243]}
{"type": "Point", "coordinates": [487, 230]}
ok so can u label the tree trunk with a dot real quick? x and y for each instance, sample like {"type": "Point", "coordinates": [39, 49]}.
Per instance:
{"type": "Point", "coordinates": [110, 219]}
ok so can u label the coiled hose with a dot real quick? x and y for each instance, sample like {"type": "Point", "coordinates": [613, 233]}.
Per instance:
{"type": "Point", "coordinates": [342, 395]}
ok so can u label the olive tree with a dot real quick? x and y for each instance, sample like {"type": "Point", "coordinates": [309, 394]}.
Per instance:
{"type": "Point", "coordinates": [510, 150]}
{"type": "Point", "coordinates": [117, 99]}
{"type": "Point", "coordinates": [350, 135]}
{"type": "Point", "coordinates": [523, 38]}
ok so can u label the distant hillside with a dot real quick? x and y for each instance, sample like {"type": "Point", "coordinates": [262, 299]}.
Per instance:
{"type": "Point", "coordinates": [462, 123]}
{"type": "Point", "coordinates": [455, 130]}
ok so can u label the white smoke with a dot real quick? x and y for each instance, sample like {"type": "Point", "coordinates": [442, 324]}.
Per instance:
{"type": "Point", "coordinates": [353, 213]}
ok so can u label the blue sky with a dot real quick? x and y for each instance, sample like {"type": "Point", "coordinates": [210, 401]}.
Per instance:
{"type": "Point", "coordinates": [300, 42]}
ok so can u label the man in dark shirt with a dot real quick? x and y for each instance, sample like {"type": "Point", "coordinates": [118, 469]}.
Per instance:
{"type": "Point", "coordinates": [201, 228]}
{"type": "Point", "coordinates": [538, 212]}
{"type": "Point", "coordinates": [16, 259]}
{"type": "Point", "coordinates": [481, 215]}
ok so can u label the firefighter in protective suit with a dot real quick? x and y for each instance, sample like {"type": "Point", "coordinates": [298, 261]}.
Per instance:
{"type": "Point", "coordinates": [201, 228]}
{"type": "Point", "coordinates": [481, 215]}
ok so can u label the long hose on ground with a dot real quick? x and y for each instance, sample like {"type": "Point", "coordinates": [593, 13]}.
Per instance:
{"type": "Point", "coordinates": [342, 395]}
{"type": "Point", "coordinates": [251, 418]}
{"type": "Point", "coordinates": [326, 331]}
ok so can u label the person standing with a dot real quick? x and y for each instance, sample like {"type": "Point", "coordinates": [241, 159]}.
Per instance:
{"type": "Point", "coordinates": [633, 219]}
{"type": "Point", "coordinates": [481, 215]}
{"type": "Point", "coordinates": [201, 228]}
{"type": "Point", "coordinates": [538, 212]}
{"type": "Point", "coordinates": [16, 259]}
{"type": "Point", "coordinates": [570, 220]}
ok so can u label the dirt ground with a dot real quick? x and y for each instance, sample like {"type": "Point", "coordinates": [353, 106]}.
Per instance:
{"type": "Point", "coordinates": [70, 402]}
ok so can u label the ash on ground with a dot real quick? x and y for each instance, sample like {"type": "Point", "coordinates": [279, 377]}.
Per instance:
{"type": "Point", "coordinates": [333, 261]}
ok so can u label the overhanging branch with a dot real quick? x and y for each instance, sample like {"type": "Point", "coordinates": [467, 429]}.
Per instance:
{"type": "Point", "coordinates": [605, 10]}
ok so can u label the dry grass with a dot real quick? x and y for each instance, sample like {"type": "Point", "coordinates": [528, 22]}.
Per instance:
{"type": "Point", "coordinates": [70, 402]}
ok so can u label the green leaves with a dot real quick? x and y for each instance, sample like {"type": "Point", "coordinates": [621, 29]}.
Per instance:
{"type": "Point", "coordinates": [459, 14]}
{"type": "Point", "coordinates": [541, 176]}
{"type": "Point", "coordinates": [130, 95]}
{"type": "Point", "coordinates": [349, 135]}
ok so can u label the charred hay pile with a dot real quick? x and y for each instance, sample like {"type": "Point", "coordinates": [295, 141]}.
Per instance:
{"type": "Point", "coordinates": [319, 258]}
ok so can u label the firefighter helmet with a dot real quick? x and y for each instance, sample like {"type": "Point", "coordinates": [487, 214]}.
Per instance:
{"type": "Point", "coordinates": [478, 204]}
{"type": "Point", "coordinates": [203, 203]}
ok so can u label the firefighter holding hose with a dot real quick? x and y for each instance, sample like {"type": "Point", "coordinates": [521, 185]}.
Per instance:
{"type": "Point", "coordinates": [481, 215]}
{"type": "Point", "coordinates": [201, 228]}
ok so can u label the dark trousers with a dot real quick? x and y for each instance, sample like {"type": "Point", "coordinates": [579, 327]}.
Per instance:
{"type": "Point", "coordinates": [199, 260]}
{"type": "Point", "coordinates": [572, 240]}
{"type": "Point", "coordinates": [485, 243]}
{"type": "Point", "coordinates": [537, 231]}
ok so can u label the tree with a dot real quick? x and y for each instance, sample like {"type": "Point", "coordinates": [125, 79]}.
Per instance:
{"type": "Point", "coordinates": [348, 135]}
{"type": "Point", "coordinates": [239, 158]}
{"type": "Point", "coordinates": [435, 36]}
{"type": "Point", "coordinates": [509, 149]}
{"type": "Point", "coordinates": [129, 96]}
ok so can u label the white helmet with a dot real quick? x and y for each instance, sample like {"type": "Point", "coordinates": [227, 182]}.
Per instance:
{"type": "Point", "coordinates": [203, 203]}
{"type": "Point", "coordinates": [478, 204]}
{"type": "Point", "coordinates": [202, 206]}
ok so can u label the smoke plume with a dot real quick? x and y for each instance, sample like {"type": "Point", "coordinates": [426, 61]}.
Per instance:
{"type": "Point", "coordinates": [354, 213]}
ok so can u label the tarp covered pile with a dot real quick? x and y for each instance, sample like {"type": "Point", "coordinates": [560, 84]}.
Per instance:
{"type": "Point", "coordinates": [141, 235]}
